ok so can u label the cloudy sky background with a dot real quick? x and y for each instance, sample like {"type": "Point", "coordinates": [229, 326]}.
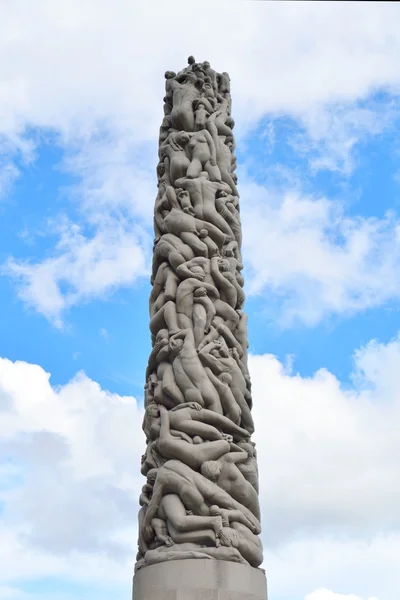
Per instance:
{"type": "Point", "coordinates": [316, 100]}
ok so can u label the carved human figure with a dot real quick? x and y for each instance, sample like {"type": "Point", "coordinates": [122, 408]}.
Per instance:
{"type": "Point", "coordinates": [215, 355]}
{"type": "Point", "coordinates": [196, 492]}
{"type": "Point", "coordinates": [203, 156]}
{"type": "Point", "coordinates": [224, 280]}
{"type": "Point", "coordinates": [184, 93]}
{"type": "Point", "coordinates": [190, 374]}
{"type": "Point", "coordinates": [201, 114]}
{"type": "Point", "coordinates": [249, 467]}
{"type": "Point", "coordinates": [164, 287]}
{"type": "Point", "coordinates": [165, 128]}
{"type": "Point", "coordinates": [182, 527]}
{"type": "Point", "coordinates": [194, 420]}
{"type": "Point", "coordinates": [211, 74]}
{"type": "Point", "coordinates": [248, 544]}
{"type": "Point", "coordinates": [203, 313]}
{"type": "Point", "coordinates": [166, 390]}
{"type": "Point", "coordinates": [173, 153]}
{"type": "Point", "coordinates": [169, 75]}
{"type": "Point", "coordinates": [185, 300]}
{"type": "Point", "coordinates": [220, 118]}
{"type": "Point", "coordinates": [200, 268]}
{"type": "Point", "coordinates": [225, 473]}
{"type": "Point", "coordinates": [202, 193]}
{"type": "Point", "coordinates": [193, 455]}
{"type": "Point", "coordinates": [223, 152]}
{"type": "Point", "coordinates": [224, 83]}
{"type": "Point", "coordinates": [171, 218]}
{"type": "Point", "coordinates": [222, 384]}
{"type": "Point", "coordinates": [188, 551]}
{"type": "Point", "coordinates": [170, 247]}
{"type": "Point", "coordinates": [225, 206]}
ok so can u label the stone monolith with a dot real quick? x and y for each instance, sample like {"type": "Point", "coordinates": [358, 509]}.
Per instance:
{"type": "Point", "coordinates": [199, 521]}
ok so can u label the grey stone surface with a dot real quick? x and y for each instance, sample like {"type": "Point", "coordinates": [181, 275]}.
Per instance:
{"type": "Point", "coordinates": [199, 580]}
{"type": "Point", "coordinates": [200, 500]}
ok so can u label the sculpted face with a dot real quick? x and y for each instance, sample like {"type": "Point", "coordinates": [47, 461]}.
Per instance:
{"type": "Point", "coordinates": [153, 411]}
{"type": "Point", "coordinates": [176, 345]}
{"type": "Point", "coordinates": [224, 265]}
{"type": "Point", "coordinates": [183, 138]}
{"type": "Point", "coordinates": [224, 352]}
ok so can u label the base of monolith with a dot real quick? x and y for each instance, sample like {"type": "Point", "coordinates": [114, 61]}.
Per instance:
{"type": "Point", "coordinates": [199, 579]}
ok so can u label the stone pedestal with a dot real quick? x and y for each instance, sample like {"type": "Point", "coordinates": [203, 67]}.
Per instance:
{"type": "Point", "coordinates": [199, 579]}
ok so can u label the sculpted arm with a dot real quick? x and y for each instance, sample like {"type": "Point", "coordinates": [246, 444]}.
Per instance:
{"type": "Point", "coordinates": [184, 270]}
{"type": "Point", "coordinates": [209, 360]}
{"type": "Point", "coordinates": [158, 283]}
{"type": "Point", "coordinates": [212, 147]}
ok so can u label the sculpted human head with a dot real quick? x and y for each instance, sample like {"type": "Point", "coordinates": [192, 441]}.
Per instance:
{"type": "Point", "coordinates": [162, 334]}
{"type": "Point", "coordinates": [207, 89]}
{"type": "Point", "coordinates": [224, 352]}
{"type": "Point", "coordinates": [190, 78]}
{"type": "Point", "coordinates": [215, 510]}
{"type": "Point", "coordinates": [176, 344]}
{"type": "Point", "coordinates": [200, 292]}
{"type": "Point", "coordinates": [169, 74]}
{"type": "Point", "coordinates": [211, 469]}
{"type": "Point", "coordinates": [226, 378]}
{"type": "Point", "coordinates": [152, 476]}
{"type": "Point", "coordinates": [223, 264]}
{"type": "Point", "coordinates": [153, 411]}
{"type": "Point", "coordinates": [182, 138]}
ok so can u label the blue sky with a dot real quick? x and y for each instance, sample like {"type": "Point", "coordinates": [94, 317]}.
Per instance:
{"type": "Point", "coordinates": [316, 103]}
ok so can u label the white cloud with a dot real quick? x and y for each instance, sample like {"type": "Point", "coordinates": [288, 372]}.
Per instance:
{"type": "Point", "coordinates": [330, 136]}
{"type": "Point", "coordinates": [324, 594]}
{"type": "Point", "coordinates": [93, 76]}
{"type": "Point", "coordinates": [71, 67]}
{"type": "Point", "coordinates": [82, 267]}
{"type": "Point", "coordinates": [328, 459]}
{"type": "Point", "coordinates": [305, 251]}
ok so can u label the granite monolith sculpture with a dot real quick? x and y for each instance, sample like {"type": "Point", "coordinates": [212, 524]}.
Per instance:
{"type": "Point", "coordinates": [199, 521]}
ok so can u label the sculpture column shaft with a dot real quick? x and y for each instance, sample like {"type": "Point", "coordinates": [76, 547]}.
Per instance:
{"type": "Point", "coordinates": [200, 501]}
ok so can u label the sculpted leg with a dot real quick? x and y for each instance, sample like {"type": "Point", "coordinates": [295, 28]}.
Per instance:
{"type": "Point", "coordinates": [185, 384]}
{"type": "Point", "coordinates": [246, 417]}
{"type": "Point", "coordinates": [199, 322]}
{"type": "Point", "coordinates": [166, 316]}
{"type": "Point", "coordinates": [191, 239]}
{"type": "Point", "coordinates": [170, 387]}
{"type": "Point", "coordinates": [192, 455]}
{"type": "Point", "coordinates": [175, 513]}
{"type": "Point", "coordinates": [160, 528]}
{"type": "Point", "coordinates": [227, 313]}
{"type": "Point", "coordinates": [216, 219]}
{"type": "Point", "coordinates": [194, 169]}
